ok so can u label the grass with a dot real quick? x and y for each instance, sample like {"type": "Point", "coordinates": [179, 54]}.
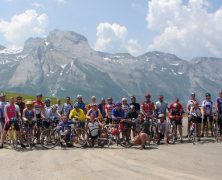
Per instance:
{"type": "Point", "coordinates": [31, 97]}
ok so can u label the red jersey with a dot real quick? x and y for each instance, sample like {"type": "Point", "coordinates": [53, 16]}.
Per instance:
{"type": "Point", "coordinates": [109, 108]}
{"type": "Point", "coordinates": [38, 107]}
{"type": "Point", "coordinates": [148, 107]}
{"type": "Point", "coordinates": [180, 107]}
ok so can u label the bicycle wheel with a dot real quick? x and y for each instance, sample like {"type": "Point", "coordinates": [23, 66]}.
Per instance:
{"type": "Point", "coordinates": [79, 137]}
{"type": "Point", "coordinates": [49, 138]}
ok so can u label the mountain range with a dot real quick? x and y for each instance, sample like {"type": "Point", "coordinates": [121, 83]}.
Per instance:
{"type": "Point", "coordinates": [64, 64]}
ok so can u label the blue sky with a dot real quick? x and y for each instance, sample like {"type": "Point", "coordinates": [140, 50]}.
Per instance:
{"type": "Point", "coordinates": [134, 26]}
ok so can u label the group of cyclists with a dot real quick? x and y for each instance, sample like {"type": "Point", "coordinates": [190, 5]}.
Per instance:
{"type": "Point", "coordinates": [132, 119]}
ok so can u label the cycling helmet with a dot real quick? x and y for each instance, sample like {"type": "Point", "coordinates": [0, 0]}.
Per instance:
{"type": "Point", "coordinates": [19, 97]}
{"type": "Point", "coordinates": [124, 99]}
{"type": "Point", "coordinates": [47, 100]}
{"type": "Point", "coordinates": [147, 95]}
{"type": "Point", "coordinates": [93, 97]}
{"type": "Point", "coordinates": [79, 96]}
{"type": "Point", "coordinates": [29, 103]}
{"type": "Point", "coordinates": [161, 116]}
{"type": "Point", "coordinates": [207, 94]}
{"type": "Point", "coordinates": [39, 95]}
{"type": "Point", "coordinates": [192, 94]}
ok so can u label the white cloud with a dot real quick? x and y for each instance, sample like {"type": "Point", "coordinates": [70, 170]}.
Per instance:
{"type": "Point", "coordinates": [38, 5]}
{"type": "Point", "coordinates": [187, 30]}
{"type": "Point", "coordinates": [22, 26]}
{"type": "Point", "coordinates": [113, 38]}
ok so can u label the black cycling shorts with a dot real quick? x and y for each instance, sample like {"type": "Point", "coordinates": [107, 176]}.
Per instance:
{"type": "Point", "coordinates": [206, 117]}
{"type": "Point", "coordinates": [178, 122]}
{"type": "Point", "coordinates": [8, 124]}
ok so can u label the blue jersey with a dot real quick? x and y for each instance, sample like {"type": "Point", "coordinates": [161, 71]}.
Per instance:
{"type": "Point", "coordinates": [118, 113]}
{"type": "Point", "coordinates": [82, 106]}
{"type": "Point", "coordinates": [219, 105]}
{"type": "Point", "coordinates": [2, 107]}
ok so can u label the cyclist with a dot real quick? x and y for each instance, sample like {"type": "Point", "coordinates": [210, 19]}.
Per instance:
{"type": "Point", "coordinates": [133, 102]}
{"type": "Point", "coordinates": [47, 104]}
{"type": "Point", "coordinates": [161, 106]}
{"type": "Point", "coordinates": [176, 116]}
{"type": "Point", "coordinates": [64, 128]}
{"type": "Point", "coordinates": [190, 104]}
{"type": "Point", "coordinates": [108, 108]}
{"type": "Point", "coordinates": [81, 104]}
{"type": "Point", "coordinates": [3, 103]}
{"type": "Point", "coordinates": [20, 103]}
{"type": "Point", "coordinates": [11, 112]}
{"type": "Point", "coordinates": [77, 114]}
{"type": "Point", "coordinates": [143, 136]}
{"type": "Point", "coordinates": [207, 113]}
{"type": "Point", "coordinates": [93, 101]}
{"type": "Point", "coordinates": [39, 114]}
{"type": "Point", "coordinates": [125, 105]}
{"type": "Point", "coordinates": [52, 113]}
{"type": "Point", "coordinates": [67, 107]}
{"type": "Point", "coordinates": [59, 106]}
{"type": "Point", "coordinates": [28, 112]}
{"type": "Point", "coordinates": [147, 107]}
{"type": "Point", "coordinates": [219, 111]}
{"type": "Point", "coordinates": [118, 113]}
{"type": "Point", "coordinates": [132, 115]}
{"type": "Point", "coordinates": [195, 115]}
{"type": "Point", "coordinates": [101, 107]}
{"type": "Point", "coordinates": [93, 128]}
{"type": "Point", "coordinates": [180, 106]}
{"type": "Point", "coordinates": [163, 131]}
{"type": "Point", "coordinates": [39, 106]}
{"type": "Point", "coordinates": [94, 110]}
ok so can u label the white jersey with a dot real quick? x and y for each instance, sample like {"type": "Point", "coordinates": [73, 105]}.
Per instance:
{"type": "Point", "coordinates": [208, 106]}
{"type": "Point", "coordinates": [94, 128]}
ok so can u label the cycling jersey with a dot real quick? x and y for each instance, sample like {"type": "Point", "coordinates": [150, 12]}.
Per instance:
{"type": "Point", "coordinates": [136, 105]}
{"type": "Point", "coordinates": [208, 106]}
{"type": "Point", "coordinates": [109, 108]}
{"type": "Point", "coordinates": [126, 108]}
{"type": "Point", "coordinates": [2, 107]}
{"type": "Point", "coordinates": [96, 113]}
{"type": "Point", "coordinates": [52, 116]}
{"type": "Point", "coordinates": [11, 111]}
{"type": "Point", "coordinates": [219, 105]}
{"type": "Point", "coordinates": [118, 113]}
{"type": "Point", "coordinates": [67, 108]}
{"type": "Point", "coordinates": [190, 104]}
{"type": "Point", "coordinates": [59, 108]}
{"type": "Point", "coordinates": [161, 107]}
{"type": "Point", "coordinates": [93, 128]}
{"type": "Point", "coordinates": [132, 115]}
{"type": "Point", "coordinates": [47, 108]}
{"type": "Point", "coordinates": [196, 111]}
{"type": "Point", "coordinates": [147, 107]}
{"type": "Point", "coordinates": [80, 114]}
{"type": "Point", "coordinates": [81, 105]}
{"type": "Point", "coordinates": [29, 114]}
{"type": "Point", "coordinates": [38, 108]}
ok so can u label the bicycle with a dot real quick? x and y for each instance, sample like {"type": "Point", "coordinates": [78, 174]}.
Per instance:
{"type": "Point", "coordinates": [51, 137]}
{"type": "Point", "coordinates": [216, 128]}
{"type": "Point", "coordinates": [28, 132]}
